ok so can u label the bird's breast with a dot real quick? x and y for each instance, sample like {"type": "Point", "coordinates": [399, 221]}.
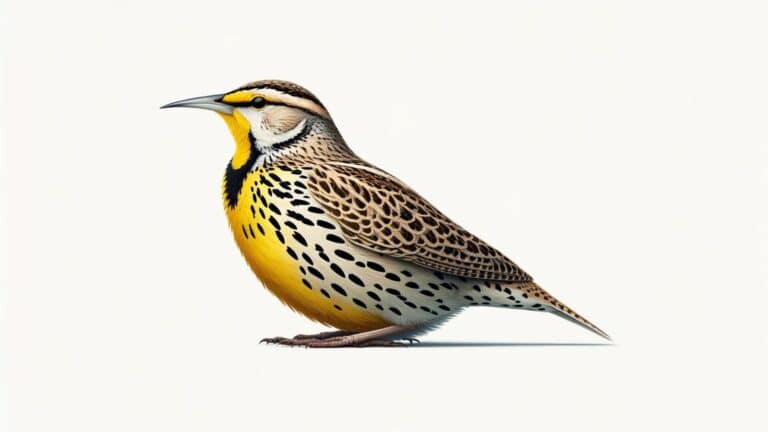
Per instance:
{"type": "Point", "coordinates": [281, 234]}
{"type": "Point", "coordinates": [302, 255]}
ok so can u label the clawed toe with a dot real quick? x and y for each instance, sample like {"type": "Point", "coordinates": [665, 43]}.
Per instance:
{"type": "Point", "coordinates": [277, 341]}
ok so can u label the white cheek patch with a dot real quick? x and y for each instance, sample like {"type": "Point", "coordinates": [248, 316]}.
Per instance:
{"type": "Point", "coordinates": [264, 138]}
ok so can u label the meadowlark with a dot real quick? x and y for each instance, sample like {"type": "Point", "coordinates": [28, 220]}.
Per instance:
{"type": "Point", "coordinates": [344, 242]}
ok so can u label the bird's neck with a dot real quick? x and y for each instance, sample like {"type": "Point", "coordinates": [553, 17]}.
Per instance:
{"type": "Point", "coordinates": [239, 128]}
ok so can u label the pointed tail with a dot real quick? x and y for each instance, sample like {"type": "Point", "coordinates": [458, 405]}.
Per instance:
{"type": "Point", "coordinates": [558, 308]}
{"type": "Point", "coordinates": [578, 319]}
{"type": "Point", "coordinates": [529, 295]}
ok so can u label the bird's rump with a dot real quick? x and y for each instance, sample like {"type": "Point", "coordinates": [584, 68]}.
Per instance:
{"type": "Point", "coordinates": [380, 213]}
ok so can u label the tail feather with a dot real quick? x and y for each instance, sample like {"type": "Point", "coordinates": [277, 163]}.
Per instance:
{"type": "Point", "coordinates": [580, 321]}
{"type": "Point", "coordinates": [558, 308]}
{"type": "Point", "coordinates": [529, 295]}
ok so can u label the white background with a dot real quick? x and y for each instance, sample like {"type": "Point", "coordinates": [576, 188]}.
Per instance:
{"type": "Point", "coordinates": [618, 151]}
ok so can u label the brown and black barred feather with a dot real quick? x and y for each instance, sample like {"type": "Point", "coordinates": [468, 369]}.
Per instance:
{"type": "Point", "coordinates": [378, 212]}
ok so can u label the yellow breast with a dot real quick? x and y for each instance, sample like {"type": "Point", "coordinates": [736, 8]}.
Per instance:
{"type": "Point", "coordinates": [274, 243]}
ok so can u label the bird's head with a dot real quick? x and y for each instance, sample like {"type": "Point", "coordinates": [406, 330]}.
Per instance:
{"type": "Point", "coordinates": [263, 116]}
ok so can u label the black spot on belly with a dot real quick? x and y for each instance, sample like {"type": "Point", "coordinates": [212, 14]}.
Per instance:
{"type": "Point", "coordinates": [273, 208]}
{"type": "Point", "coordinates": [290, 224]}
{"type": "Point", "coordinates": [337, 307]}
{"type": "Point", "coordinates": [375, 266]}
{"type": "Point", "coordinates": [373, 295]}
{"type": "Point", "coordinates": [315, 273]}
{"type": "Point", "coordinates": [393, 291]}
{"type": "Point", "coordinates": [427, 293]}
{"type": "Point", "coordinates": [444, 307]}
{"type": "Point", "coordinates": [291, 253]}
{"type": "Point", "coordinates": [395, 311]}
{"type": "Point", "coordinates": [306, 283]}
{"type": "Point", "coordinates": [299, 202]}
{"type": "Point", "coordinates": [299, 217]}
{"type": "Point", "coordinates": [392, 276]}
{"type": "Point", "coordinates": [307, 258]}
{"type": "Point", "coordinates": [359, 303]}
{"type": "Point", "coordinates": [344, 254]}
{"type": "Point", "coordinates": [334, 238]}
{"type": "Point", "coordinates": [378, 306]}
{"type": "Point", "coordinates": [325, 293]}
{"type": "Point", "coordinates": [486, 298]}
{"type": "Point", "coordinates": [406, 273]}
{"type": "Point", "coordinates": [278, 193]}
{"type": "Point", "coordinates": [339, 289]}
{"type": "Point", "coordinates": [434, 286]}
{"type": "Point", "coordinates": [260, 228]}
{"type": "Point", "coordinates": [412, 284]}
{"type": "Point", "coordinates": [469, 298]}
{"type": "Point", "coordinates": [356, 280]}
{"type": "Point", "coordinates": [410, 304]}
{"type": "Point", "coordinates": [299, 238]}
{"type": "Point", "coordinates": [280, 237]}
{"type": "Point", "coordinates": [274, 222]}
{"type": "Point", "coordinates": [336, 269]}
{"type": "Point", "coordinates": [325, 224]}
{"type": "Point", "coordinates": [312, 209]}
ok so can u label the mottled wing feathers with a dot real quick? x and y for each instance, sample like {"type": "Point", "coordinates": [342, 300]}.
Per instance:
{"type": "Point", "coordinates": [378, 212]}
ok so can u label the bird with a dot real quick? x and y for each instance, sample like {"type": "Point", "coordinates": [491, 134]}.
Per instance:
{"type": "Point", "coordinates": [344, 242]}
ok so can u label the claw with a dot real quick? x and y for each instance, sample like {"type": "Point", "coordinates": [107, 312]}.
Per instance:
{"type": "Point", "coordinates": [278, 341]}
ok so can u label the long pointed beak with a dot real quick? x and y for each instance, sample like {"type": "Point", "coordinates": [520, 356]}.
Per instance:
{"type": "Point", "coordinates": [212, 102]}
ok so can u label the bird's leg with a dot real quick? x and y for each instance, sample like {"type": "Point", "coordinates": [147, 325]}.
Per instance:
{"type": "Point", "coordinates": [300, 338]}
{"type": "Point", "coordinates": [322, 335]}
{"type": "Point", "coordinates": [378, 337]}
{"type": "Point", "coordinates": [345, 339]}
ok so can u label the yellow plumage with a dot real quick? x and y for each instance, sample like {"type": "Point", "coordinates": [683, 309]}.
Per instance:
{"type": "Point", "coordinates": [266, 255]}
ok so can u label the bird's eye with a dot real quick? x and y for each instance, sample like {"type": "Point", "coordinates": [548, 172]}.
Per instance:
{"type": "Point", "coordinates": [258, 102]}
